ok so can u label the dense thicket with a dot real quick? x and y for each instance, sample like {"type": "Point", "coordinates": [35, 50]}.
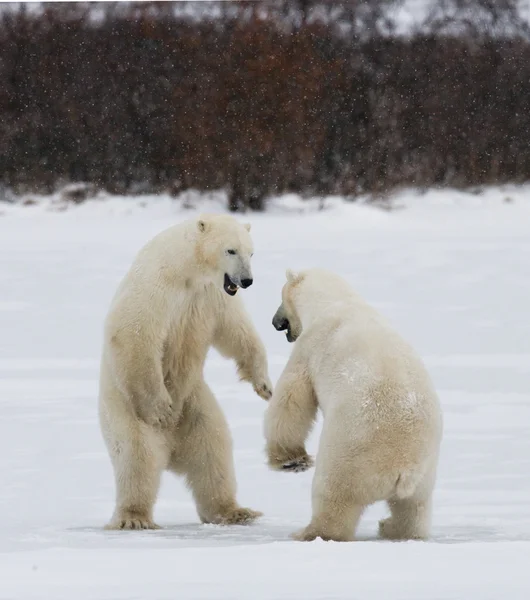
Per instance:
{"type": "Point", "coordinates": [258, 98]}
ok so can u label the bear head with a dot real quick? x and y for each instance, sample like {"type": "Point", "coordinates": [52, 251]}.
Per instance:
{"type": "Point", "coordinates": [286, 317]}
{"type": "Point", "coordinates": [224, 249]}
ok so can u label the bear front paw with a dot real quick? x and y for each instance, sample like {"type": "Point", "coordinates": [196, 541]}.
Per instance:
{"type": "Point", "coordinates": [296, 461]}
{"type": "Point", "coordinates": [263, 389]}
{"type": "Point", "coordinates": [161, 413]}
{"type": "Point", "coordinates": [298, 465]}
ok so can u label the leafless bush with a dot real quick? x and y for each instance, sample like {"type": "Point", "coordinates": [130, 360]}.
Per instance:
{"type": "Point", "coordinates": [257, 98]}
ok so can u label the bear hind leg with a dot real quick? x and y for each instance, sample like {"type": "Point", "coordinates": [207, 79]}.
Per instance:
{"type": "Point", "coordinates": [203, 454]}
{"type": "Point", "coordinates": [332, 525]}
{"type": "Point", "coordinates": [336, 510]}
{"type": "Point", "coordinates": [138, 464]}
{"type": "Point", "coordinates": [410, 519]}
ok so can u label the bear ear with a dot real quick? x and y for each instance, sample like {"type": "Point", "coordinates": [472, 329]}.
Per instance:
{"type": "Point", "coordinates": [247, 226]}
{"type": "Point", "coordinates": [291, 276]}
{"type": "Point", "coordinates": [202, 225]}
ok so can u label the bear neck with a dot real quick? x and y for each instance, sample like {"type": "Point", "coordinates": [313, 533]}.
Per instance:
{"type": "Point", "coordinates": [184, 264]}
{"type": "Point", "coordinates": [315, 302]}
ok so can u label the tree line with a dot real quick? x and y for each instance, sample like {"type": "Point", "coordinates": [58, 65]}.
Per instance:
{"type": "Point", "coordinates": [261, 98]}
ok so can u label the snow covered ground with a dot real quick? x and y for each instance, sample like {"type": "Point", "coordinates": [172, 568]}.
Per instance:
{"type": "Point", "coordinates": [451, 271]}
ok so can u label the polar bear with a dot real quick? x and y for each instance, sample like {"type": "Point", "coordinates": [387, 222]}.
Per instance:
{"type": "Point", "coordinates": [156, 411]}
{"type": "Point", "coordinates": [382, 423]}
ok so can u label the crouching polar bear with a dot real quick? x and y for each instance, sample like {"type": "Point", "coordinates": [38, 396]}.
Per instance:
{"type": "Point", "coordinates": [156, 411]}
{"type": "Point", "coordinates": [382, 422]}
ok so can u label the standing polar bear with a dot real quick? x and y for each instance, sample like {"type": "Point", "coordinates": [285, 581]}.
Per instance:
{"type": "Point", "coordinates": [156, 411]}
{"type": "Point", "coordinates": [382, 422]}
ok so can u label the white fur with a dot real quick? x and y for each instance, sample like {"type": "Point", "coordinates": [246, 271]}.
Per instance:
{"type": "Point", "coordinates": [382, 421]}
{"type": "Point", "coordinates": [156, 410]}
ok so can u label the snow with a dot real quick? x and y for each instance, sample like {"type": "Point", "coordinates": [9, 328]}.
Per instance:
{"type": "Point", "coordinates": [449, 269]}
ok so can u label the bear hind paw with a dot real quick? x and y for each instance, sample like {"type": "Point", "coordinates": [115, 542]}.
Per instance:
{"type": "Point", "coordinates": [391, 529]}
{"type": "Point", "coordinates": [236, 516]}
{"type": "Point", "coordinates": [131, 522]}
{"type": "Point", "coordinates": [311, 533]}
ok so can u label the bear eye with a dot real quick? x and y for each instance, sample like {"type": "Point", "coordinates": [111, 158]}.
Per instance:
{"type": "Point", "coordinates": [231, 252]}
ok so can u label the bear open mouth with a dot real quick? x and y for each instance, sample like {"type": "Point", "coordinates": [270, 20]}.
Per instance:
{"type": "Point", "coordinates": [284, 325]}
{"type": "Point", "coordinates": [229, 286]}
{"type": "Point", "coordinates": [289, 335]}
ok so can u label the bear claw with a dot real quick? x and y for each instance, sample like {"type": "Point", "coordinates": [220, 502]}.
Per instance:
{"type": "Point", "coordinates": [238, 516]}
{"type": "Point", "coordinates": [131, 523]}
{"type": "Point", "coordinates": [298, 465]}
{"type": "Point", "coordinates": [263, 391]}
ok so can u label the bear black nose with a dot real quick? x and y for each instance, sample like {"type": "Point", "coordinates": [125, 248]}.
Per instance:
{"type": "Point", "coordinates": [245, 283]}
{"type": "Point", "coordinates": [280, 324]}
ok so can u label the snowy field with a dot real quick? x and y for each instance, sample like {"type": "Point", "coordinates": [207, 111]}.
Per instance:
{"type": "Point", "coordinates": [451, 271]}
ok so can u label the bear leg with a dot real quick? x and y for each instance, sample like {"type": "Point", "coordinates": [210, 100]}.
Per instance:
{"type": "Point", "coordinates": [138, 463]}
{"type": "Point", "coordinates": [203, 453]}
{"type": "Point", "coordinates": [336, 511]}
{"type": "Point", "coordinates": [410, 519]}
{"type": "Point", "coordinates": [331, 525]}
{"type": "Point", "coordinates": [289, 418]}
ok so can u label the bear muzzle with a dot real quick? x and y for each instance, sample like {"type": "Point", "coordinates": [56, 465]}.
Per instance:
{"type": "Point", "coordinates": [280, 323]}
{"type": "Point", "coordinates": [229, 286]}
